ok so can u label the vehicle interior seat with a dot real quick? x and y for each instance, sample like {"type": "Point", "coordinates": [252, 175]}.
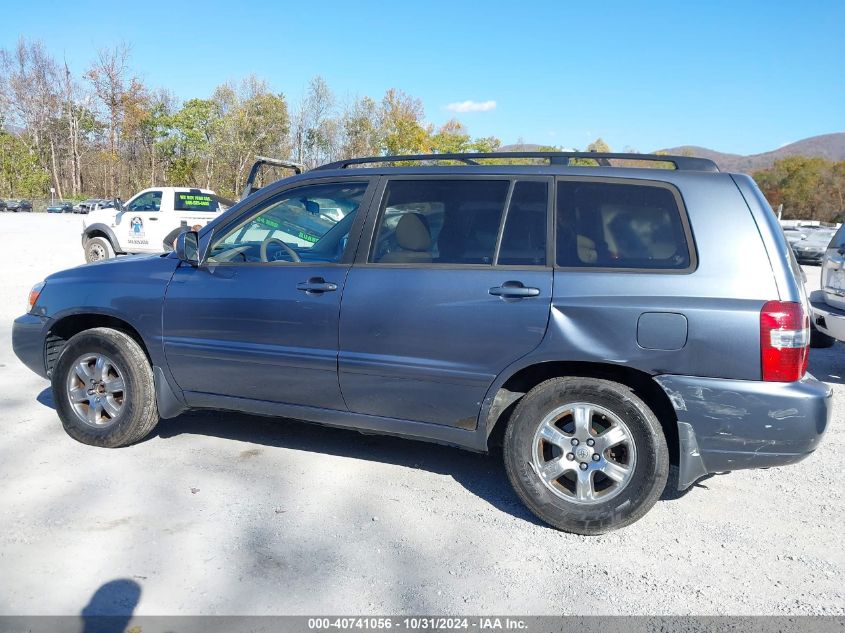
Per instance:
{"type": "Point", "coordinates": [587, 252]}
{"type": "Point", "coordinates": [413, 241]}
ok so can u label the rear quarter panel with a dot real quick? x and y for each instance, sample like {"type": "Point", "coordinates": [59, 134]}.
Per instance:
{"type": "Point", "coordinates": [595, 314]}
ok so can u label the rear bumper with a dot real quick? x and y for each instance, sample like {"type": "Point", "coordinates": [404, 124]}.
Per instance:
{"type": "Point", "coordinates": [28, 342]}
{"type": "Point", "coordinates": [809, 257]}
{"type": "Point", "coordinates": [826, 318]}
{"type": "Point", "coordinates": [735, 424]}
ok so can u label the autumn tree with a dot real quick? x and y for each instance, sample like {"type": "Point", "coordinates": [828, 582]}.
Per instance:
{"type": "Point", "coordinates": [361, 129]}
{"type": "Point", "coordinates": [253, 121]}
{"type": "Point", "coordinates": [404, 131]}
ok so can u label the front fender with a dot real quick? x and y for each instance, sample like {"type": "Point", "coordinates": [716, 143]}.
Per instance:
{"type": "Point", "coordinates": [98, 227]}
{"type": "Point", "coordinates": [129, 288]}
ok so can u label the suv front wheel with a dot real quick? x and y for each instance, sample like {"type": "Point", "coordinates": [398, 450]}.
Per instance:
{"type": "Point", "coordinates": [104, 390]}
{"type": "Point", "coordinates": [586, 455]}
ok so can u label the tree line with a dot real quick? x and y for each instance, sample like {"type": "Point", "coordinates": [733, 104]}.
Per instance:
{"type": "Point", "coordinates": [106, 133]}
{"type": "Point", "coordinates": [808, 188]}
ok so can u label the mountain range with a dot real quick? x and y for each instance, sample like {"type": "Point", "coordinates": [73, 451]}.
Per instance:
{"type": "Point", "coordinates": [829, 146]}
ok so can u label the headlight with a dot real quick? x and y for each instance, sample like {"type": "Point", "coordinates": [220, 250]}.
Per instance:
{"type": "Point", "coordinates": [34, 294]}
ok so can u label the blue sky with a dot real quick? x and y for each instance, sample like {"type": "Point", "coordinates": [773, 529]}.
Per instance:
{"type": "Point", "coordinates": [740, 77]}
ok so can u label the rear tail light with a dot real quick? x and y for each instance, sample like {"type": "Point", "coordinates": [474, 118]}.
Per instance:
{"type": "Point", "coordinates": [784, 341]}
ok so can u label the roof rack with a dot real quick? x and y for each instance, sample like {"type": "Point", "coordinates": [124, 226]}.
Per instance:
{"type": "Point", "coordinates": [682, 163]}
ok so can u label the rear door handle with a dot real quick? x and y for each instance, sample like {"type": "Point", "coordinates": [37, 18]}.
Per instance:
{"type": "Point", "coordinates": [513, 290]}
{"type": "Point", "coordinates": [316, 286]}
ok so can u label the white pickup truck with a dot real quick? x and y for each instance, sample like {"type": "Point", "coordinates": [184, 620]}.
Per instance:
{"type": "Point", "coordinates": [828, 302]}
{"type": "Point", "coordinates": [141, 224]}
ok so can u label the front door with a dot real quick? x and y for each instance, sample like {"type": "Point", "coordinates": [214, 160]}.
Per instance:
{"type": "Point", "coordinates": [456, 287]}
{"type": "Point", "coordinates": [258, 319]}
{"type": "Point", "coordinates": [139, 225]}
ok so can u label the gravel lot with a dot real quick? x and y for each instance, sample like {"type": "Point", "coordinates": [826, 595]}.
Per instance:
{"type": "Point", "coordinates": [230, 514]}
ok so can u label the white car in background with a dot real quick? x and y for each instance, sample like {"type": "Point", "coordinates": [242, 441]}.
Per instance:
{"type": "Point", "coordinates": [141, 224]}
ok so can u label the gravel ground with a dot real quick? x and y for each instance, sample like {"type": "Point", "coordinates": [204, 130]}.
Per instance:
{"type": "Point", "coordinates": [220, 513]}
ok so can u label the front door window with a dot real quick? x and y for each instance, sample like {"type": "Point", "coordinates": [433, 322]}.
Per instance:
{"type": "Point", "coordinates": [307, 224]}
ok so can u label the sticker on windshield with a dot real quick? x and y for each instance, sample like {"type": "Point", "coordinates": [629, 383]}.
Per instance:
{"type": "Point", "coordinates": [288, 227]}
{"type": "Point", "coordinates": [196, 202]}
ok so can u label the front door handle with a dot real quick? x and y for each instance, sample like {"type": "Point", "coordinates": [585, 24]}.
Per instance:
{"type": "Point", "coordinates": [513, 290]}
{"type": "Point", "coordinates": [154, 219]}
{"type": "Point", "coordinates": [316, 286]}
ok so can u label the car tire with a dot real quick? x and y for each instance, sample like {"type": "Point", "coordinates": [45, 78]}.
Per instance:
{"type": "Point", "coordinates": [98, 249]}
{"type": "Point", "coordinates": [539, 441]}
{"type": "Point", "coordinates": [819, 339]}
{"type": "Point", "coordinates": [104, 389]}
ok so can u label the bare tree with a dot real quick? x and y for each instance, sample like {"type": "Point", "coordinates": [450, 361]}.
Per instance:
{"type": "Point", "coordinates": [109, 76]}
{"type": "Point", "coordinates": [31, 76]}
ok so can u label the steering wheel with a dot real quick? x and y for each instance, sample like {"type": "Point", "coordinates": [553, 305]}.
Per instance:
{"type": "Point", "coordinates": [274, 240]}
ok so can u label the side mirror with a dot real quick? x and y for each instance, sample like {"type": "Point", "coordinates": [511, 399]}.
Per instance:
{"type": "Point", "coordinates": [187, 247]}
{"type": "Point", "coordinates": [117, 204]}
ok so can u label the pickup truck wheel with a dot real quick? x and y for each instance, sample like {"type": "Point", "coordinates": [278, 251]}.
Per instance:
{"type": "Point", "coordinates": [586, 455]}
{"type": "Point", "coordinates": [98, 248]}
{"type": "Point", "coordinates": [104, 390]}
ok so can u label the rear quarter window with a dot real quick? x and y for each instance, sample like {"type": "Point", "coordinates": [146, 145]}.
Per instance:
{"type": "Point", "coordinates": [195, 201]}
{"type": "Point", "coordinates": [621, 225]}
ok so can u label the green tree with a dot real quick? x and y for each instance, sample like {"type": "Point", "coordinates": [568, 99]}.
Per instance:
{"type": "Point", "coordinates": [194, 129]}
{"type": "Point", "coordinates": [21, 173]}
{"type": "Point", "coordinates": [451, 138]}
{"type": "Point", "coordinates": [253, 122]}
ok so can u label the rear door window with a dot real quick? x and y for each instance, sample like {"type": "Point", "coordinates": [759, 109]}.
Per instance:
{"type": "Point", "coordinates": [440, 222]}
{"type": "Point", "coordinates": [621, 225]}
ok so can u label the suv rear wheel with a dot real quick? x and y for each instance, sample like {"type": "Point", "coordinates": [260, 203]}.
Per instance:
{"type": "Point", "coordinates": [104, 390]}
{"type": "Point", "coordinates": [586, 455]}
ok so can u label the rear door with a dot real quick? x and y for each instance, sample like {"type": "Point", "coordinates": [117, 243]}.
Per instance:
{"type": "Point", "coordinates": [455, 286]}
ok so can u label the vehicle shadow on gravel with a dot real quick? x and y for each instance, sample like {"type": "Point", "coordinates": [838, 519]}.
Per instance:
{"type": "Point", "coordinates": [482, 475]}
{"type": "Point", "coordinates": [828, 364]}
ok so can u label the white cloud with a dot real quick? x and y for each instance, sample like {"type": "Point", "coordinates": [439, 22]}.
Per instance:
{"type": "Point", "coordinates": [472, 106]}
